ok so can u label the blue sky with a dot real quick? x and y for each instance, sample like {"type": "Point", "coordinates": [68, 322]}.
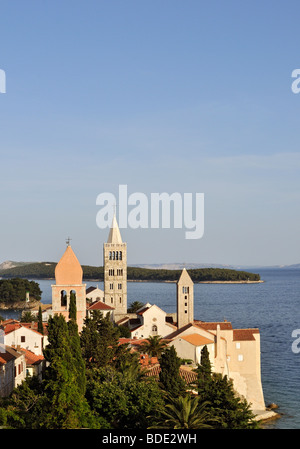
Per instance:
{"type": "Point", "coordinates": [163, 96]}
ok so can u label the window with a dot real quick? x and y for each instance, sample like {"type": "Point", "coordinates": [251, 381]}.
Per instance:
{"type": "Point", "coordinates": [154, 329]}
{"type": "Point", "coordinates": [120, 286]}
{"type": "Point", "coordinates": [120, 255]}
{"type": "Point", "coordinates": [110, 255]}
{"type": "Point", "coordinates": [117, 255]}
{"type": "Point", "coordinates": [120, 300]}
{"type": "Point", "coordinates": [113, 255]}
{"type": "Point", "coordinates": [63, 298]}
{"type": "Point", "coordinates": [240, 357]}
{"type": "Point", "coordinates": [22, 338]}
{"type": "Point", "coordinates": [111, 300]}
{"type": "Point", "coordinates": [111, 286]}
{"type": "Point", "coordinates": [238, 345]}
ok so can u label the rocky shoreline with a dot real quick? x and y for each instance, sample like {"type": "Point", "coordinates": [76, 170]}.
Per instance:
{"type": "Point", "coordinates": [19, 305]}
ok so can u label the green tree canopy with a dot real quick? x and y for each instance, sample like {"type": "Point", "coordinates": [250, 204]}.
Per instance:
{"type": "Point", "coordinates": [169, 375]}
{"type": "Point", "coordinates": [99, 340]}
{"type": "Point", "coordinates": [154, 346]}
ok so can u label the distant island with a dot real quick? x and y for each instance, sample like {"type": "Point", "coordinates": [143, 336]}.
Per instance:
{"type": "Point", "coordinates": [18, 293]}
{"type": "Point", "coordinates": [45, 270]}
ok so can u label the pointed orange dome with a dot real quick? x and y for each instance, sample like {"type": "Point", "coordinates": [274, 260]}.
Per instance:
{"type": "Point", "coordinates": [68, 271]}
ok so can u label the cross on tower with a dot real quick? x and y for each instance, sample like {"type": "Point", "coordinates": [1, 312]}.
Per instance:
{"type": "Point", "coordinates": [68, 241]}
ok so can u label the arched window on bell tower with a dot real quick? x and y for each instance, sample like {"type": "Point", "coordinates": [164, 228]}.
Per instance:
{"type": "Point", "coordinates": [63, 298]}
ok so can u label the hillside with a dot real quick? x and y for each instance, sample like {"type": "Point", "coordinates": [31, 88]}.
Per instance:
{"type": "Point", "coordinates": [11, 264]}
{"type": "Point", "coordinates": [45, 270]}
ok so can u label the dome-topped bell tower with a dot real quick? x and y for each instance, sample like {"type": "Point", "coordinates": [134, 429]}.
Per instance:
{"type": "Point", "coordinates": [68, 281]}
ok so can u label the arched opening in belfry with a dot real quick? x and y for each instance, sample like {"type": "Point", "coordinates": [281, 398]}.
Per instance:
{"type": "Point", "coordinates": [73, 295]}
{"type": "Point", "coordinates": [63, 298]}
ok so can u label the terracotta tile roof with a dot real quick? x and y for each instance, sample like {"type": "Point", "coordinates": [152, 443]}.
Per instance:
{"type": "Point", "coordinates": [132, 341]}
{"type": "Point", "coordinates": [32, 327]}
{"type": "Point", "coordinates": [9, 321]}
{"type": "Point", "coordinates": [8, 353]}
{"type": "Point", "coordinates": [187, 375]}
{"type": "Point", "coordinates": [31, 358]}
{"type": "Point", "coordinates": [197, 340]}
{"type": "Point", "coordinates": [99, 305]}
{"type": "Point", "coordinates": [178, 331]}
{"type": "Point", "coordinates": [5, 357]}
{"type": "Point", "coordinates": [244, 334]}
{"type": "Point", "coordinates": [10, 327]}
{"type": "Point", "coordinates": [224, 325]}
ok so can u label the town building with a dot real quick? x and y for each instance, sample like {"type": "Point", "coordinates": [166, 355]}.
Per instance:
{"type": "Point", "coordinates": [12, 369]}
{"type": "Point", "coordinates": [101, 307]}
{"type": "Point", "coordinates": [94, 294]}
{"type": "Point", "coordinates": [23, 335]}
{"type": "Point", "coordinates": [148, 321]}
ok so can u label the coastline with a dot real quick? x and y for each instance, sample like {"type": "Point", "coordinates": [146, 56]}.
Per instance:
{"type": "Point", "coordinates": [19, 305]}
{"type": "Point", "coordinates": [264, 416]}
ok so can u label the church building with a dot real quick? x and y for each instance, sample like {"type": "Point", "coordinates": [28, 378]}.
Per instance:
{"type": "Point", "coordinates": [233, 352]}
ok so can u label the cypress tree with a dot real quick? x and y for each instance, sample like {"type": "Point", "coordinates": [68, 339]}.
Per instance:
{"type": "Point", "coordinates": [40, 321]}
{"type": "Point", "coordinates": [204, 370]}
{"type": "Point", "coordinates": [99, 340]}
{"type": "Point", "coordinates": [75, 344]}
{"type": "Point", "coordinates": [67, 406]}
{"type": "Point", "coordinates": [169, 375]}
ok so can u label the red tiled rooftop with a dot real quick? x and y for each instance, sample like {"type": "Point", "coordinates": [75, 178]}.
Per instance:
{"type": "Point", "coordinates": [187, 375]}
{"type": "Point", "coordinates": [99, 305]}
{"type": "Point", "coordinates": [31, 358]}
{"type": "Point", "coordinates": [5, 357]}
{"type": "Point", "coordinates": [224, 325]}
{"type": "Point", "coordinates": [244, 334]}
